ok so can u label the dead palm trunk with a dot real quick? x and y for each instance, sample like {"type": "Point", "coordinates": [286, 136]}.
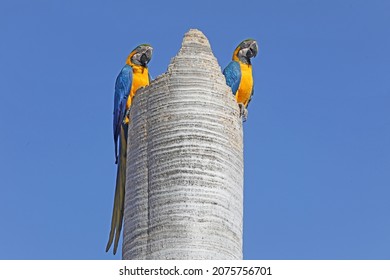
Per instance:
{"type": "Point", "coordinates": [184, 188]}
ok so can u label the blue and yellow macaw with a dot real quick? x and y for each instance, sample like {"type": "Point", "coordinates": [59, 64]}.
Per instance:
{"type": "Point", "coordinates": [238, 74]}
{"type": "Point", "coordinates": [134, 75]}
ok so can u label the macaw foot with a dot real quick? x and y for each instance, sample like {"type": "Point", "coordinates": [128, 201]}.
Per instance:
{"type": "Point", "coordinates": [243, 111]}
{"type": "Point", "coordinates": [127, 117]}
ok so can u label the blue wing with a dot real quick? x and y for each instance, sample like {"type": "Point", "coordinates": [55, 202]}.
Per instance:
{"type": "Point", "coordinates": [232, 74]}
{"type": "Point", "coordinates": [122, 91]}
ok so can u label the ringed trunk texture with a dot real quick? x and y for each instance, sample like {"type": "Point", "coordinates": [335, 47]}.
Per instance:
{"type": "Point", "coordinates": [184, 188]}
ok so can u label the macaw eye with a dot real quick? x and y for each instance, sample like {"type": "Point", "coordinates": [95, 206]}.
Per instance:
{"type": "Point", "coordinates": [244, 45]}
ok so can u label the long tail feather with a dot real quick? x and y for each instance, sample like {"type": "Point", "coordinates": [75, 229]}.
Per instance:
{"type": "Point", "coordinates": [118, 209]}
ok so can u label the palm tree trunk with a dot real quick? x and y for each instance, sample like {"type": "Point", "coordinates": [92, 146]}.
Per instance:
{"type": "Point", "coordinates": [184, 189]}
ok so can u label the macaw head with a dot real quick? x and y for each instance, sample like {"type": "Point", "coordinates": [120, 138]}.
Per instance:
{"type": "Point", "coordinates": [141, 55]}
{"type": "Point", "coordinates": [245, 51]}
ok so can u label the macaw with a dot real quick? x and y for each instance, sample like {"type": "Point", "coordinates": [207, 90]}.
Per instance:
{"type": "Point", "coordinates": [134, 75]}
{"type": "Point", "coordinates": [238, 74]}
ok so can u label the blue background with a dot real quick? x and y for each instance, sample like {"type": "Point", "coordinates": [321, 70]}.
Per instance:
{"type": "Point", "coordinates": [317, 155]}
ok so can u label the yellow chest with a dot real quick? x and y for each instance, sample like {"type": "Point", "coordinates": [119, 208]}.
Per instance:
{"type": "Point", "coordinates": [140, 79]}
{"type": "Point", "coordinates": [246, 84]}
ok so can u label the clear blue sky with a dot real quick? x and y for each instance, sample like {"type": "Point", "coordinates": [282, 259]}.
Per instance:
{"type": "Point", "coordinates": [317, 153]}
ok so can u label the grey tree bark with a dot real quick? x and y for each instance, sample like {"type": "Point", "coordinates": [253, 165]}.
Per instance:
{"type": "Point", "coordinates": [184, 189]}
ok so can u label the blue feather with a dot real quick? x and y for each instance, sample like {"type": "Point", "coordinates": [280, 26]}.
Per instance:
{"type": "Point", "coordinates": [122, 91]}
{"type": "Point", "coordinates": [232, 74]}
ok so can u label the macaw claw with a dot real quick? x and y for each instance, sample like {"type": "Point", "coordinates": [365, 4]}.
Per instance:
{"type": "Point", "coordinates": [243, 112]}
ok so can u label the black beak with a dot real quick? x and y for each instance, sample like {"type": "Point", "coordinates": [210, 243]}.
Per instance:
{"type": "Point", "coordinates": [253, 49]}
{"type": "Point", "coordinates": [146, 56]}
{"type": "Point", "coordinates": [144, 60]}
